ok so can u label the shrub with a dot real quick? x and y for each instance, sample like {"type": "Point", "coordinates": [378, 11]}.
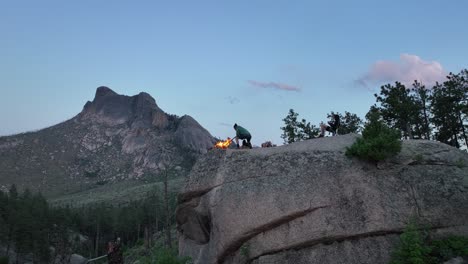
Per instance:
{"type": "Point", "coordinates": [244, 250]}
{"type": "Point", "coordinates": [167, 256]}
{"type": "Point", "coordinates": [416, 248]}
{"type": "Point", "coordinates": [450, 247]}
{"type": "Point", "coordinates": [378, 141]}
{"type": "Point", "coordinates": [412, 249]}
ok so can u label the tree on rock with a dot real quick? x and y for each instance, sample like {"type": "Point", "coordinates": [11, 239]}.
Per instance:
{"type": "Point", "coordinates": [349, 123]}
{"type": "Point", "coordinates": [378, 141]}
{"type": "Point", "coordinates": [450, 110]}
{"type": "Point", "coordinates": [296, 131]}
{"type": "Point", "coordinates": [398, 108]}
{"type": "Point", "coordinates": [422, 99]}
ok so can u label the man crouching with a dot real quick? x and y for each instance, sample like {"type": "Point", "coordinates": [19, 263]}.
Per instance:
{"type": "Point", "coordinates": [243, 134]}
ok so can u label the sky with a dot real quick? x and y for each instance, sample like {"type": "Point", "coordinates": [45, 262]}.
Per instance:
{"type": "Point", "coordinates": [222, 62]}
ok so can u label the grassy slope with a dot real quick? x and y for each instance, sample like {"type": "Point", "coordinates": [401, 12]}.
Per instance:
{"type": "Point", "coordinates": [118, 193]}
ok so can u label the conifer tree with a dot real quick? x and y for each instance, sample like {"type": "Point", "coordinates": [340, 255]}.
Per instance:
{"type": "Point", "coordinates": [422, 99]}
{"type": "Point", "coordinates": [398, 108]}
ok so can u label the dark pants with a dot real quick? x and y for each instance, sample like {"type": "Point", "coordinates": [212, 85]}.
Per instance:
{"type": "Point", "coordinates": [244, 138]}
{"type": "Point", "coordinates": [247, 138]}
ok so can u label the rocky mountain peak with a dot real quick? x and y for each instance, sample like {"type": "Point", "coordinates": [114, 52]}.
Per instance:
{"type": "Point", "coordinates": [102, 91]}
{"type": "Point", "coordinates": [146, 98]}
{"type": "Point", "coordinates": [114, 138]}
{"type": "Point", "coordinates": [111, 108]}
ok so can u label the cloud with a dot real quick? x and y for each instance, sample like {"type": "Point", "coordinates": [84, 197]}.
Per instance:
{"type": "Point", "coordinates": [232, 100]}
{"type": "Point", "coordinates": [275, 85]}
{"type": "Point", "coordinates": [409, 68]}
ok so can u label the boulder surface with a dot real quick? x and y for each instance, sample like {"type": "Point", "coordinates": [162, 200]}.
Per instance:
{"type": "Point", "coordinates": [307, 202]}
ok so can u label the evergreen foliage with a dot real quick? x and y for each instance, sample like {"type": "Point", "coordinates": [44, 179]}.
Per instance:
{"type": "Point", "coordinates": [167, 256]}
{"type": "Point", "coordinates": [398, 108]}
{"type": "Point", "coordinates": [422, 99]}
{"type": "Point", "coordinates": [450, 110]}
{"type": "Point", "coordinates": [29, 225]}
{"type": "Point", "coordinates": [439, 112]}
{"type": "Point", "coordinates": [349, 122]}
{"type": "Point", "coordinates": [378, 141]}
{"type": "Point", "coordinates": [295, 130]}
{"type": "Point", "coordinates": [450, 247]}
{"type": "Point", "coordinates": [416, 247]}
{"type": "Point", "coordinates": [412, 249]}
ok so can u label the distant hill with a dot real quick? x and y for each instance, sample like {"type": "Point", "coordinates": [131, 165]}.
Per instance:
{"type": "Point", "coordinates": [115, 140]}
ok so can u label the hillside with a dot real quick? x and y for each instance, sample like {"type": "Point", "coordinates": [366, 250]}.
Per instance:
{"type": "Point", "coordinates": [116, 140]}
{"type": "Point", "coordinates": [307, 202]}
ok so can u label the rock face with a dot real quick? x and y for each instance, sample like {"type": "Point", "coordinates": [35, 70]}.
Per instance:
{"type": "Point", "coordinates": [189, 133]}
{"type": "Point", "coordinates": [115, 138]}
{"type": "Point", "coordinates": [309, 203]}
{"type": "Point", "coordinates": [112, 109]}
{"type": "Point", "coordinates": [78, 259]}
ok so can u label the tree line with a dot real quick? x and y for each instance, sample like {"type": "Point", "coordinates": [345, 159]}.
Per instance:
{"type": "Point", "coordinates": [295, 130]}
{"type": "Point", "coordinates": [437, 113]}
{"type": "Point", "coordinates": [29, 226]}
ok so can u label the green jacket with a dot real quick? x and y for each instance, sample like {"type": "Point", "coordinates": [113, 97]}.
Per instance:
{"type": "Point", "coordinates": [242, 132]}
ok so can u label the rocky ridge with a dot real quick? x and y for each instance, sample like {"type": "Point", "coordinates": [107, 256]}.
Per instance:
{"type": "Point", "coordinates": [115, 138]}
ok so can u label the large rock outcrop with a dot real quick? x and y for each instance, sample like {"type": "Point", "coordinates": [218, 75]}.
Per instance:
{"type": "Point", "coordinates": [309, 203]}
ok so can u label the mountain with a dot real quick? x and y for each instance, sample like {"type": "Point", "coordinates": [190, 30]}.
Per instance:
{"type": "Point", "coordinates": [307, 202]}
{"type": "Point", "coordinates": [116, 141]}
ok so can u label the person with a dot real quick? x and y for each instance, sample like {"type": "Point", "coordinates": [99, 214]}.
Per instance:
{"type": "Point", "coordinates": [114, 252]}
{"type": "Point", "coordinates": [245, 144]}
{"type": "Point", "coordinates": [331, 127]}
{"type": "Point", "coordinates": [243, 134]}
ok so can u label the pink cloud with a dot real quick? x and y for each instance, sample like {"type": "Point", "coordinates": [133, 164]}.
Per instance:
{"type": "Point", "coordinates": [407, 70]}
{"type": "Point", "coordinates": [274, 85]}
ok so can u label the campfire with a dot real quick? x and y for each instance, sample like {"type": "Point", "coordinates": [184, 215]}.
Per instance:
{"type": "Point", "coordinates": [223, 144]}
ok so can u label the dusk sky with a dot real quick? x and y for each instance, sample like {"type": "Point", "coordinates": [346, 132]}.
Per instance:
{"type": "Point", "coordinates": [221, 62]}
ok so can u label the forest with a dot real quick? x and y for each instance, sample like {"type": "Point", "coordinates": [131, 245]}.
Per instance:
{"type": "Point", "coordinates": [30, 226]}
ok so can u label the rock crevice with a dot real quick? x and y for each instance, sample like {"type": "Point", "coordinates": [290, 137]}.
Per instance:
{"type": "Point", "coordinates": [341, 239]}
{"type": "Point", "coordinates": [235, 245]}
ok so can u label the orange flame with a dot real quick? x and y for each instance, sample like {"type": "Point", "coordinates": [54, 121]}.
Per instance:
{"type": "Point", "coordinates": [223, 144]}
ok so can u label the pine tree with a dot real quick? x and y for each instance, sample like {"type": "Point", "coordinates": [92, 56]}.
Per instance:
{"type": "Point", "coordinates": [290, 130]}
{"type": "Point", "coordinates": [349, 122]}
{"type": "Point", "coordinates": [41, 224]}
{"type": "Point", "coordinates": [422, 99]}
{"type": "Point", "coordinates": [449, 107]}
{"type": "Point", "coordinates": [378, 141]}
{"type": "Point", "coordinates": [3, 217]}
{"type": "Point", "coordinates": [12, 216]}
{"type": "Point", "coordinates": [294, 130]}
{"type": "Point", "coordinates": [306, 130]}
{"type": "Point", "coordinates": [398, 108]}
